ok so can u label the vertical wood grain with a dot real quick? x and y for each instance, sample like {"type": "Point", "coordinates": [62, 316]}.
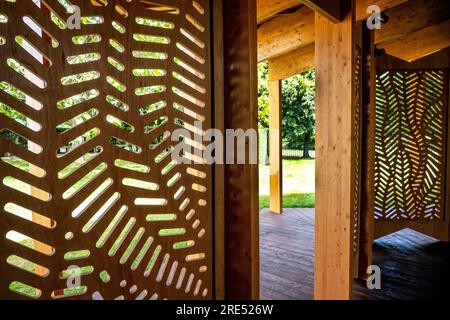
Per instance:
{"type": "Point", "coordinates": [241, 181]}
{"type": "Point", "coordinates": [368, 152]}
{"type": "Point", "coordinates": [334, 157]}
{"type": "Point", "coordinates": [275, 147]}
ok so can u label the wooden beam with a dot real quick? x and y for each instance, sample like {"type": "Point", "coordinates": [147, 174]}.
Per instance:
{"type": "Point", "coordinates": [420, 43]}
{"type": "Point", "coordinates": [367, 216]}
{"type": "Point", "coordinates": [440, 59]}
{"type": "Point", "coordinates": [275, 147]}
{"type": "Point", "coordinates": [267, 9]}
{"type": "Point", "coordinates": [335, 111]}
{"type": "Point", "coordinates": [292, 63]}
{"type": "Point", "coordinates": [285, 33]}
{"type": "Point", "coordinates": [241, 181]}
{"type": "Point", "coordinates": [290, 31]}
{"type": "Point", "coordinates": [362, 5]}
{"type": "Point", "coordinates": [412, 16]}
{"type": "Point", "coordinates": [219, 169]}
{"type": "Point", "coordinates": [332, 10]}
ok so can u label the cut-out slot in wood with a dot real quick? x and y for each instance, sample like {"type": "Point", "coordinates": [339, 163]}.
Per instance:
{"type": "Point", "coordinates": [190, 53]}
{"type": "Point", "coordinates": [128, 165]}
{"type": "Point", "coordinates": [195, 23]}
{"type": "Point", "coordinates": [29, 215]}
{"type": "Point", "coordinates": [133, 244]}
{"type": "Point", "coordinates": [33, 51]}
{"type": "Point", "coordinates": [83, 58]}
{"type": "Point", "coordinates": [76, 121]}
{"type": "Point", "coordinates": [25, 290]}
{"type": "Point", "coordinates": [150, 38]}
{"type": "Point", "coordinates": [92, 198]}
{"type": "Point", "coordinates": [161, 217]}
{"type": "Point", "coordinates": [146, 246]}
{"type": "Point", "coordinates": [78, 99]}
{"type": "Point", "coordinates": [77, 255]}
{"type": "Point", "coordinates": [189, 83]}
{"type": "Point", "coordinates": [121, 238]}
{"type": "Point", "coordinates": [150, 202]}
{"type": "Point", "coordinates": [84, 181]}
{"type": "Point", "coordinates": [125, 145]}
{"type": "Point", "coordinates": [23, 165]}
{"type": "Point", "coordinates": [188, 97]}
{"type": "Point", "coordinates": [86, 39]}
{"type": "Point", "coordinates": [79, 163]}
{"type": "Point", "coordinates": [26, 188]}
{"type": "Point", "coordinates": [152, 108]}
{"type": "Point", "coordinates": [111, 227]}
{"type": "Point", "coordinates": [101, 212]}
{"type": "Point", "coordinates": [19, 117]}
{"type": "Point", "coordinates": [28, 266]}
{"type": "Point", "coordinates": [149, 90]}
{"type": "Point", "coordinates": [155, 6]}
{"type": "Point", "coordinates": [117, 45]}
{"type": "Point", "coordinates": [20, 95]}
{"type": "Point", "coordinates": [152, 261]}
{"type": "Point", "coordinates": [116, 84]}
{"type": "Point", "coordinates": [68, 292]}
{"type": "Point", "coordinates": [140, 184]}
{"type": "Point", "coordinates": [20, 141]}
{"type": "Point", "coordinates": [26, 73]}
{"type": "Point", "coordinates": [192, 38]}
{"type": "Point", "coordinates": [189, 68]}
{"type": "Point", "coordinates": [149, 55]}
{"type": "Point", "coordinates": [155, 124]}
{"type": "Point", "coordinates": [80, 78]}
{"type": "Point", "coordinates": [154, 23]}
{"type": "Point", "coordinates": [30, 243]}
{"type": "Point", "coordinates": [117, 103]}
{"type": "Point", "coordinates": [40, 31]}
{"type": "Point", "coordinates": [116, 64]}
{"type": "Point", "coordinates": [77, 142]}
{"type": "Point", "coordinates": [118, 27]}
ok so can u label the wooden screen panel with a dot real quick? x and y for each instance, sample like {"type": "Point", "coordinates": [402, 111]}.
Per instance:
{"type": "Point", "coordinates": [410, 146]}
{"type": "Point", "coordinates": [357, 152]}
{"type": "Point", "coordinates": [88, 182]}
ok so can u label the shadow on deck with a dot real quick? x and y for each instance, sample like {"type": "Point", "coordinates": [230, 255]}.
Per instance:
{"type": "Point", "coordinates": [413, 266]}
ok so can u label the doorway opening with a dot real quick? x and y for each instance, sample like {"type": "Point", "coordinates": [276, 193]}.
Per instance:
{"type": "Point", "coordinates": [286, 185]}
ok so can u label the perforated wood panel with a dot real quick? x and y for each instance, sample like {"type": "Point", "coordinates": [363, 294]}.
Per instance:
{"type": "Point", "coordinates": [87, 177]}
{"type": "Point", "coordinates": [357, 152]}
{"type": "Point", "coordinates": [410, 140]}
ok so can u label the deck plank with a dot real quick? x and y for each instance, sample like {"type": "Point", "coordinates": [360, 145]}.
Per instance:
{"type": "Point", "coordinates": [413, 266]}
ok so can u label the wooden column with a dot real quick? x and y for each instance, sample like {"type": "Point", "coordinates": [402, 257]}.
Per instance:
{"type": "Point", "coordinates": [275, 147]}
{"type": "Point", "coordinates": [367, 152]}
{"type": "Point", "coordinates": [335, 112]}
{"type": "Point", "coordinates": [241, 181]}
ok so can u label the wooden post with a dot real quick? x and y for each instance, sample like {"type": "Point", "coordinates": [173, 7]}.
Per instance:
{"type": "Point", "coordinates": [241, 181]}
{"type": "Point", "coordinates": [335, 112]}
{"type": "Point", "coordinates": [275, 147]}
{"type": "Point", "coordinates": [368, 152]}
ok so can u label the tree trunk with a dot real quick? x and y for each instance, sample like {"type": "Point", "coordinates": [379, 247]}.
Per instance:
{"type": "Point", "coordinates": [306, 146]}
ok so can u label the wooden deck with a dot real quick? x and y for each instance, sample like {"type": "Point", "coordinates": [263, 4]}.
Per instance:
{"type": "Point", "coordinates": [413, 266]}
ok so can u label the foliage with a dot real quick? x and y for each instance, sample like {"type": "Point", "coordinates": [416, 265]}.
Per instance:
{"type": "Point", "coordinates": [298, 107]}
{"type": "Point", "coordinates": [263, 95]}
{"type": "Point", "coordinates": [298, 118]}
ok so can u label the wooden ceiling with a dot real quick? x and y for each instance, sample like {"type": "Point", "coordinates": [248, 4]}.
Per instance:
{"type": "Point", "coordinates": [415, 28]}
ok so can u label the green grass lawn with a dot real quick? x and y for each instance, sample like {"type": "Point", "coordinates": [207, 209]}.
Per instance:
{"type": "Point", "coordinates": [298, 184]}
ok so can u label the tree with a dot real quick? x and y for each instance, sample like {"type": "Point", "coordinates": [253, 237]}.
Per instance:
{"type": "Point", "coordinates": [263, 95]}
{"type": "Point", "coordinates": [298, 112]}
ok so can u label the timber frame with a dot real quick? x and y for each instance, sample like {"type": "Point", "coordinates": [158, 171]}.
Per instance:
{"type": "Point", "coordinates": [230, 37]}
